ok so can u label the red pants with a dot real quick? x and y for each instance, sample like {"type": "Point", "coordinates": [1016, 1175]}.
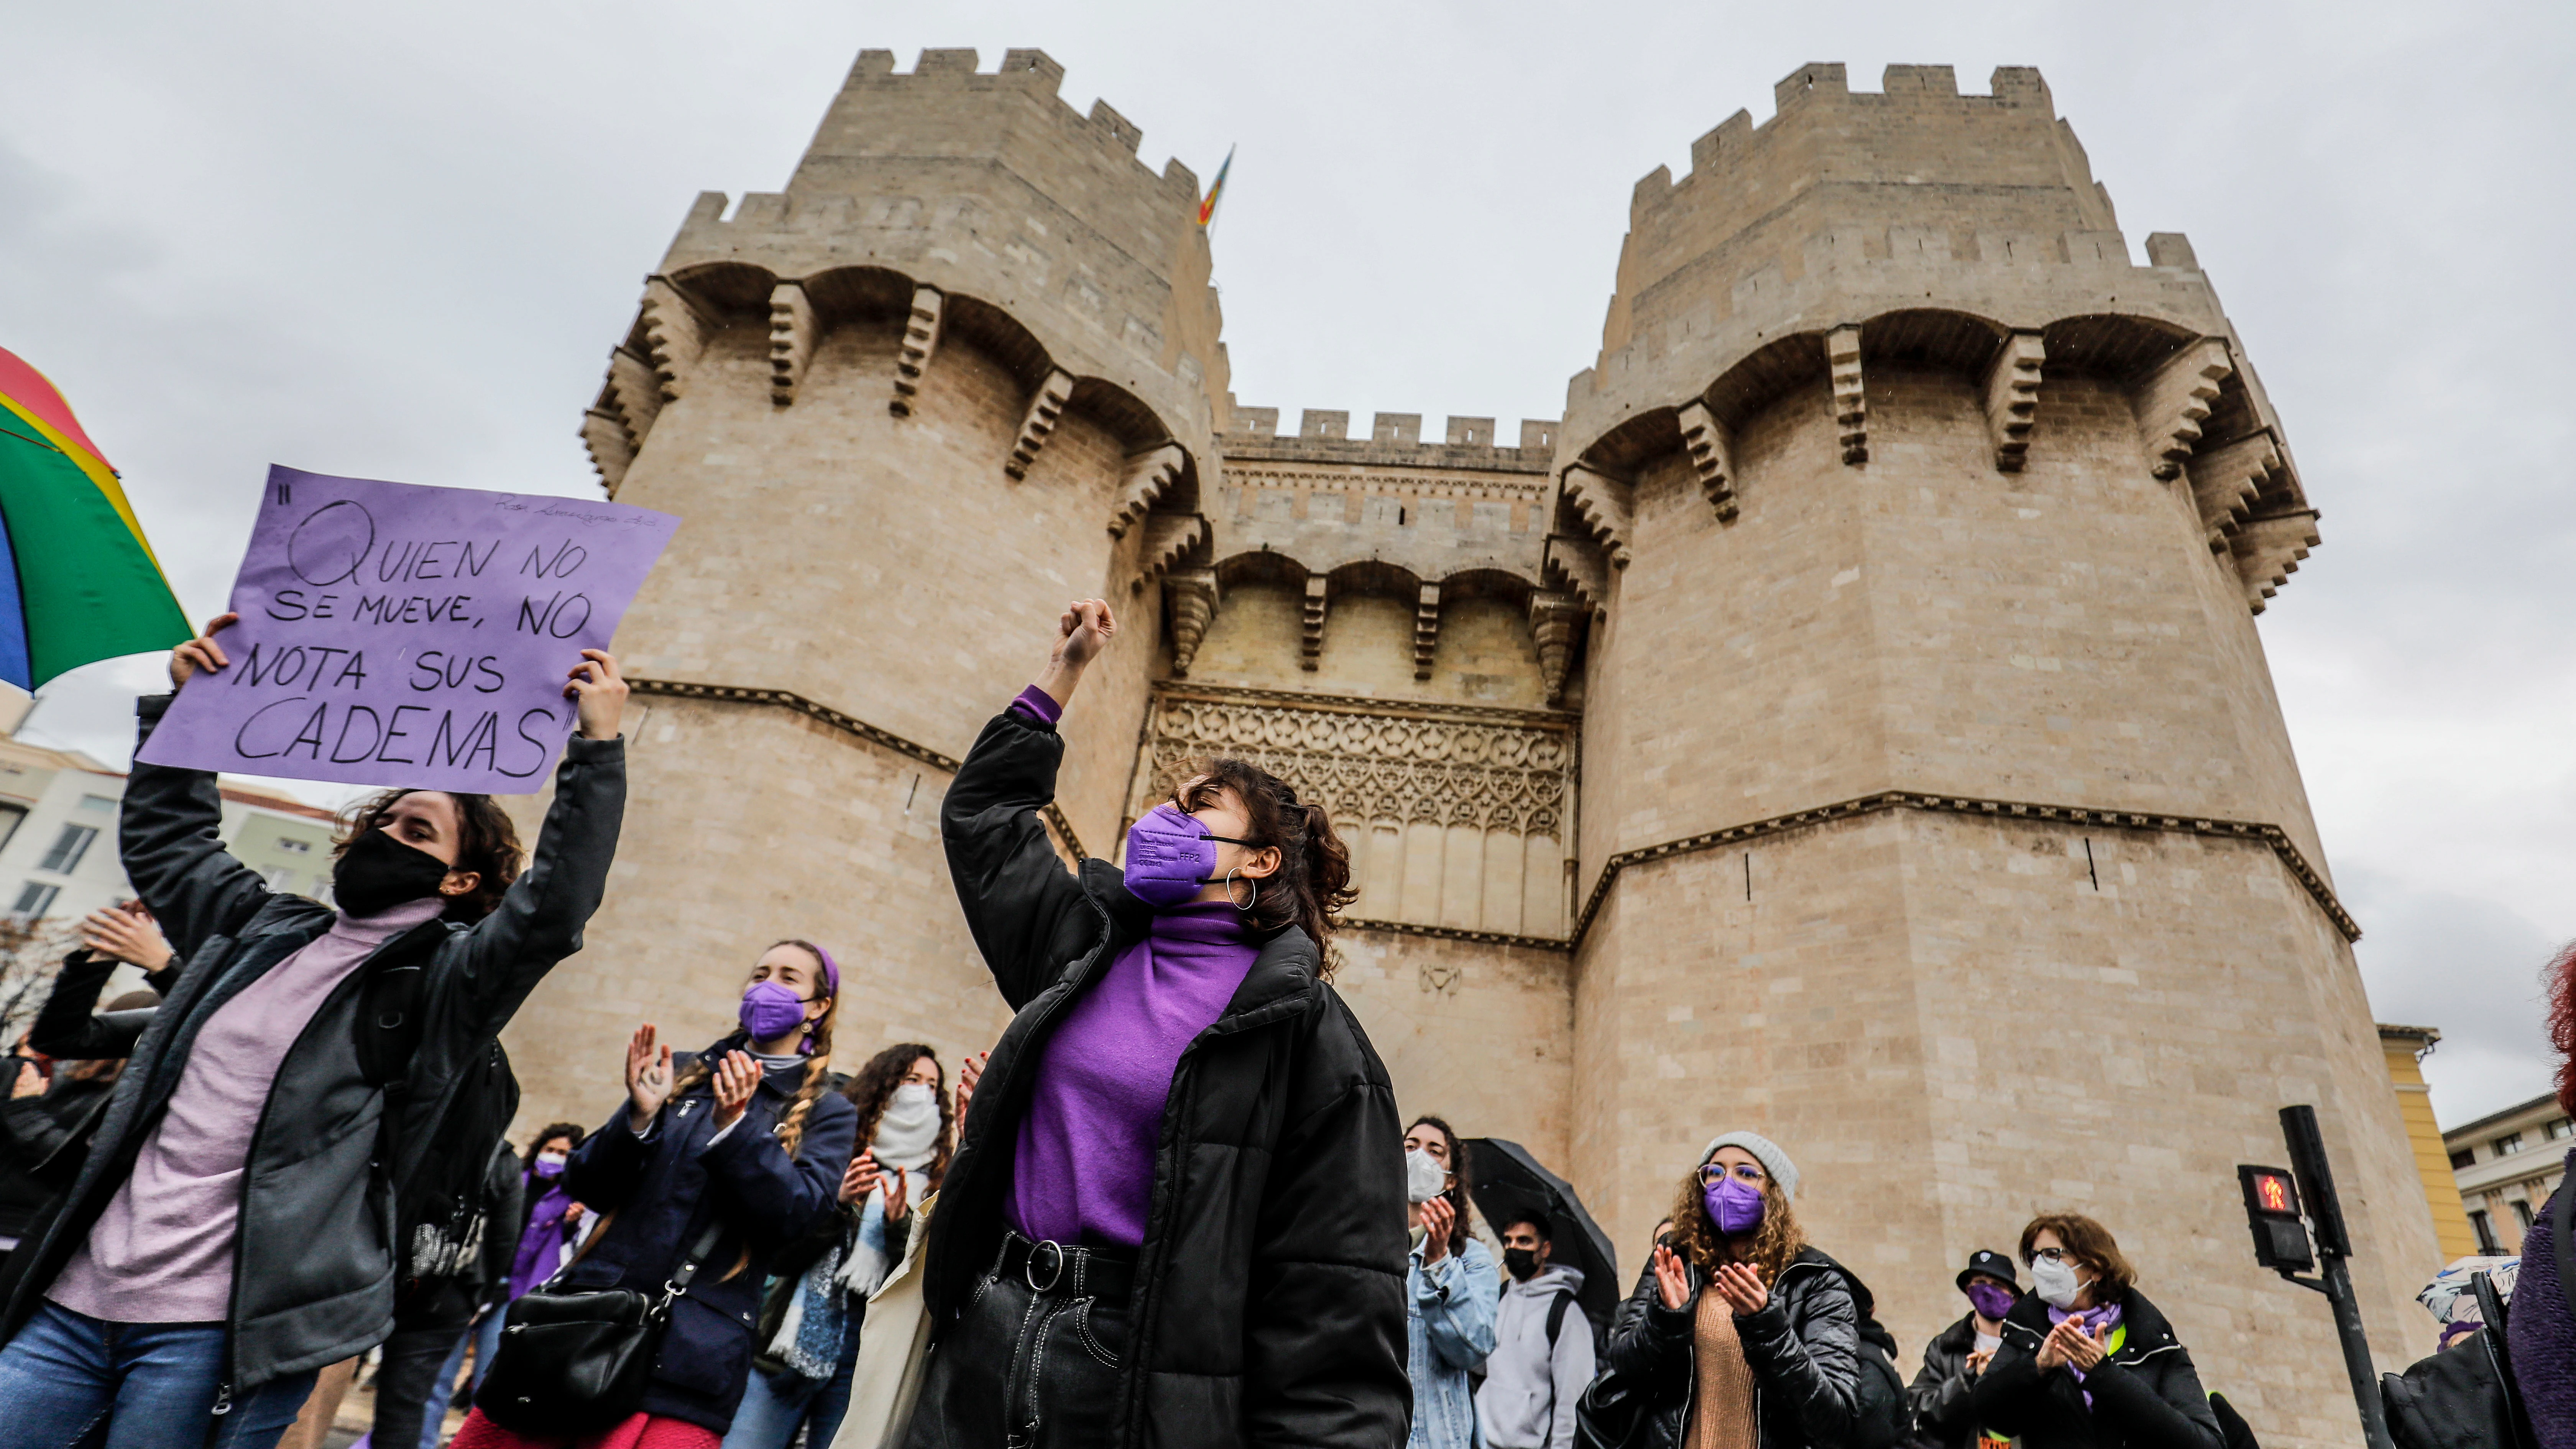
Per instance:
{"type": "Point", "coordinates": [643, 1431]}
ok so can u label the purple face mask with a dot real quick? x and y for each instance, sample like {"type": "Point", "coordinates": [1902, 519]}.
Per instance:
{"type": "Point", "coordinates": [770, 1011]}
{"type": "Point", "coordinates": [1169, 856]}
{"type": "Point", "coordinates": [1734, 1205]}
{"type": "Point", "coordinates": [1991, 1299]}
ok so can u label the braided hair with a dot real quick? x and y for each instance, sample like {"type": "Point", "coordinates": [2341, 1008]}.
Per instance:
{"type": "Point", "coordinates": [1313, 883]}
{"type": "Point", "coordinates": [818, 1067]}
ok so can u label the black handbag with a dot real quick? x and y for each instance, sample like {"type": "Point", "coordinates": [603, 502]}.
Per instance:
{"type": "Point", "coordinates": [576, 1362]}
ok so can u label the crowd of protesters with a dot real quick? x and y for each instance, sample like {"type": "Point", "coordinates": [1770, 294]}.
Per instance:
{"type": "Point", "coordinates": [1175, 1204]}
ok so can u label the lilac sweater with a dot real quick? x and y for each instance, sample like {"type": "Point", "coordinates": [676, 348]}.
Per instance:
{"type": "Point", "coordinates": [163, 1250]}
{"type": "Point", "coordinates": [1083, 1169]}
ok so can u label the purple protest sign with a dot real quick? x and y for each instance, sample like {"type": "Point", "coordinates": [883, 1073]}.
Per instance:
{"type": "Point", "coordinates": [393, 634]}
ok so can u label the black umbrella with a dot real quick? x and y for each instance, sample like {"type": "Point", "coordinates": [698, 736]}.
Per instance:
{"type": "Point", "coordinates": [1509, 1185]}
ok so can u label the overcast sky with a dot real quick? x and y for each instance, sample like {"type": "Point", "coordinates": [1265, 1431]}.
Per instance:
{"type": "Point", "coordinates": [398, 242]}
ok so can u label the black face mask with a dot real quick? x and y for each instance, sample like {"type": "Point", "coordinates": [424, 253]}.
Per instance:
{"type": "Point", "coordinates": [377, 873]}
{"type": "Point", "coordinates": [1520, 1262]}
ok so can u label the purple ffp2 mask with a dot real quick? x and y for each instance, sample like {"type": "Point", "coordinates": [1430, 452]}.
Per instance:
{"type": "Point", "coordinates": [1169, 856]}
{"type": "Point", "coordinates": [770, 1011]}
{"type": "Point", "coordinates": [1991, 1299]}
{"type": "Point", "coordinates": [1736, 1207]}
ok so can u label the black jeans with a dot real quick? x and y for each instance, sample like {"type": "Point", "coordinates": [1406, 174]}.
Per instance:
{"type": "Point", "coordinates": [1027, 1367]}
{"type": "Point", "coordinates": [427, 1327]}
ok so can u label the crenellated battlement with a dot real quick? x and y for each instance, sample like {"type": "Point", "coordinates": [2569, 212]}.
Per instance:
{"type": "Point", "coordinates": [1394, 440]}
{"type": "Point", "coordinates": [1030, 73]}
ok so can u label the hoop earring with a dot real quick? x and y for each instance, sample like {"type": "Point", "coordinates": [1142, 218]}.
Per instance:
{"type": "Point", "coordinates": [1251, 881]}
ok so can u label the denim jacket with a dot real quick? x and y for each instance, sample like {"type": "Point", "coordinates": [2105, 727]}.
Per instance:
{"type": "Point", "coordinates": [1448, 1330]}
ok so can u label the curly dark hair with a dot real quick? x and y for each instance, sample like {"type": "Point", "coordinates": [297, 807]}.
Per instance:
{"type": "Point", "coordinates": [1313, 883]}
{"type": "Point", "coordinates": [1697, 1239]}
{"type": "Point", "coordinates": [551, 1131]}
{"type": "Point", "coordinates": [873, 1087]}
{"type": "Point", "coordinates": [487, 844]}
{"type": "Point", "coordinates": [1456, 1192]}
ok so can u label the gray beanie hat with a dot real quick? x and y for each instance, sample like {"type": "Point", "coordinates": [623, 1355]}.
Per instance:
{"type": "Point", "coordinates": [1765, 1151]}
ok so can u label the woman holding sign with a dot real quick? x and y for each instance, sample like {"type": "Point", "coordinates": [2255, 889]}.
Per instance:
{"type": "Point", "coordinates": [227, 1235]}
{"type": "Point", "coordinates": [1178, 1213]}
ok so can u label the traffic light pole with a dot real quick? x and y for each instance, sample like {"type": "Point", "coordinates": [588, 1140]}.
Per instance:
{"type": "Point", "coordinates": [2334, 1245]}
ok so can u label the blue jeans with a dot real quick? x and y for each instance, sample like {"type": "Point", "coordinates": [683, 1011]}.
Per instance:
{"type": "Point", "coordinates": [772, 1406]}
{"type": "Point", "coordinates": [69, 1378]}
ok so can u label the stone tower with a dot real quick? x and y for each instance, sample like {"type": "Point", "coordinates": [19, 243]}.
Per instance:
{"type": "Point", "coordinates": [1938, 817]}
{"type": "Point", "coordinates": [1847, 722]}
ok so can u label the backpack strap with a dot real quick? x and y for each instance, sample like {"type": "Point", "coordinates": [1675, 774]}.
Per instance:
{"type": "Point", "coordinates": [1556, 1320]}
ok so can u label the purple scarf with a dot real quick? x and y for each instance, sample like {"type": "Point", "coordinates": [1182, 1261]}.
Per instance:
{"type": "Point", "coordinates": [2104, 1318]}
{"type": "Point", "coordinates": [541, 1245]}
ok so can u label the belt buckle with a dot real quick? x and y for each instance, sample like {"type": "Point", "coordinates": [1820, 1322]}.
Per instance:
{"type": "Point", "coordinates": [1029, 1269]}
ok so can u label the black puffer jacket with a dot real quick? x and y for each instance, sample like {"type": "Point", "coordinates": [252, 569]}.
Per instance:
{"type": "Point", "coordinates": [1804, 1348]}
{"type": "Point", "coordinates": [1269, 1302]}
{"type": "Point", "coordinates": [313, 1264]}
{"type": "Point", "coordinates": [2146, 1394]}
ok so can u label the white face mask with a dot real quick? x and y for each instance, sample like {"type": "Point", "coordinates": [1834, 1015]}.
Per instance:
{"type": "Point", "coordinates": [557, 1158]}
{"type": "Point", "coordinates": [914, 1094]}
{"type": "Point", "coordinates": [1423, 1176]}
{"type": "Point", "coordinates": [2055, 1282]}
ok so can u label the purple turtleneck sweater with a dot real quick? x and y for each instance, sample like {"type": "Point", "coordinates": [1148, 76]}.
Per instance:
{"type": "Point", "coordinates": [1083, 1169]}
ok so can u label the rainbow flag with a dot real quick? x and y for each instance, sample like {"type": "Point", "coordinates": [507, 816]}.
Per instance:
{"type": "Point", "coordinates": [1216, 188]}
{"type": "Point", "coordinates": [78, 581]}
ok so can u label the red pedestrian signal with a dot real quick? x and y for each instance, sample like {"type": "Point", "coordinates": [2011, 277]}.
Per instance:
{"type": "Point", "coordinates": [2272, 1212]}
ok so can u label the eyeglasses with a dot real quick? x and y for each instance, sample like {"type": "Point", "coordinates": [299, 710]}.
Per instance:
{"type": "Point", "coordinates": [1713, 1174]}
{"type": "Point", "coordinates": [2055, 1255]}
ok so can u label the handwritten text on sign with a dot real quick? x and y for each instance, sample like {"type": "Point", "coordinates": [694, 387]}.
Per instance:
{"type": "Point", "coordinates": [392, 634]}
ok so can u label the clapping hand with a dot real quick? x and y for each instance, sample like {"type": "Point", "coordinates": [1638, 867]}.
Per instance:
{"type": "Point", "coordinates": [1741, 1287]}
{"type": "Point", "coordinates": [2070, 1345]}
{"type": "Point", "coordinates": [898, 1199]}
{"type": "Point", "coordinates": [861, 1178]}
{"type": "Point", "coordinates": [1977, 1362]}
{"type": "Point", "coordinates": [127, 934]}
{"type": "Point", "coordinates": [648, 1078]}
{"type": "Point", "coordinates": [1438, 1218]}
{"type": "Point", "coordinates": [1672, 1280]}
{"type": "Point", "coordinates": [969, 1072]}
{"type": "Point", "coordinates": [737, 1077]}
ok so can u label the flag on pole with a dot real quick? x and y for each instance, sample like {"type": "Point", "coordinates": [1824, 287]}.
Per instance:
{"type": "Point", "coordinates": [78, 581]}
{"type": "Point", "coordinates": [1216, 188]}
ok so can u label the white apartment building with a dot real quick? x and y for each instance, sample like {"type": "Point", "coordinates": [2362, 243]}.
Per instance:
{"type": "Point", "coordinates": [58, 855]}
{"type": "Point", "coordinates": [2507, 1164]}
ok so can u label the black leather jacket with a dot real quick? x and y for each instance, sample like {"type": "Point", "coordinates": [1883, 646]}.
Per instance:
{"type": "Point", "coordinates": [1939, 1394]}
{"type": "Point", "coordinates": [313, 1261]}
{"type": "Point", "coordinates": [1269, 1298]}
{"type": "Point", "coordinates": [1804, 1349]}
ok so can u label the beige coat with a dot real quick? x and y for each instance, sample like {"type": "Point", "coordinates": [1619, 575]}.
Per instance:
{"type": "Point", "coordinates": [894, 1344]}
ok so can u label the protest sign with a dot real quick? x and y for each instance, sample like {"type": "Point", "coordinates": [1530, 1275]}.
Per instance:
{"type": "Point", "coordinates": [393, 634]}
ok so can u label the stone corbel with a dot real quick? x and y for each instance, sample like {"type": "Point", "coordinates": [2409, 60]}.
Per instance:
{"type": "Point", "coordinates": [1037, 425]}
{"type": "Point", "coordinates": [1426, 630]}
{"type": "Point", "coordinates": [1575, 565]}
{"type": "Point", "coordinates": [2174, 400]}
{"type": "Point", "coordinates": [1851, 400]}
{"type": "Point", "coordinates": [920, 340]}
{"type": "Point", "coordinates": [2012, 398]}
{"type": "Point", "coordinates": [674, 332]}
{"type": "Point", "coordinates": [1148, 474]}
{"type": "Point", "coordinates": [1711, 446]}
{"type": "Point", "coordinates": [1310, 642]}
{"type": "Point", "coordinates": [1555, 620]}
{"type": "Point", "coordinates": [1167, 537]}
{"type": "Point", "coordinates": [1605, 505]}
{"type": "Point", "coordinates": [634, 394]}
{"type": "Point", "coordinates": [2267, 551]}
{"type": "Point", "coordinates": [791, 340]}
{"type": "Point", "coordinates": [1192, 599]}
{"type": "Point", "coordinates": [2226, 480]}
{"type": "Point", "coordinates": [611, 452]}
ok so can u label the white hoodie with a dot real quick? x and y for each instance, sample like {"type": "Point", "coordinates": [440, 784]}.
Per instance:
{"type": "Point", "coordinates": [1528, 1398]}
